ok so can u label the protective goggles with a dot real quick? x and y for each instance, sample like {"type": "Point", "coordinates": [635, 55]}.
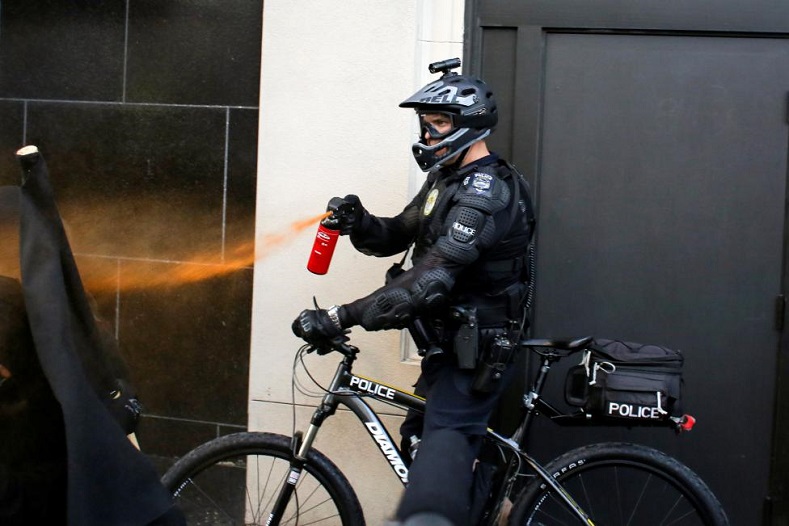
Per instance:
{"type": "Point", "coordinates": [433, 122]}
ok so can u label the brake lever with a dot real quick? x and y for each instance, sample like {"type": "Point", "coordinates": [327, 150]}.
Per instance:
{"type": "Point", "coordinates": [338, 343]}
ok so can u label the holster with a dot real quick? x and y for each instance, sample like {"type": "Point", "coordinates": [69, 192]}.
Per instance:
{"type": "Point", "coordinates": [497, 355]}
{"type": "Point", "coordinates": [466, 344]}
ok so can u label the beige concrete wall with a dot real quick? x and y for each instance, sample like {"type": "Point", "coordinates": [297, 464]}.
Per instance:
{"type": "Point", "coordinates": [332, 76]}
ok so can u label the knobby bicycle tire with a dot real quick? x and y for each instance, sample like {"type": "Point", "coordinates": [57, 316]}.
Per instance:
{"type": "Point", "coordinates": [619, 484]}
{"type": "Point", "coordinates": [235, 479]}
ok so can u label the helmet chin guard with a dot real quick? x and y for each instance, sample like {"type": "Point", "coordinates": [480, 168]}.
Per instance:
{"type": "Point", "coordinates": [428, 157]}
{"type": "Point", "coordinates": [470, 103]}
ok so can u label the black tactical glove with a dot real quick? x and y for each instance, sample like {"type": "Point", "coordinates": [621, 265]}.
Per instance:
{"type": "Point", "coordinates": [347, 213]}
{"type": "Point", "coordinates": [320, 329]}
{"type": "Point", "coordinates": [124, 406]}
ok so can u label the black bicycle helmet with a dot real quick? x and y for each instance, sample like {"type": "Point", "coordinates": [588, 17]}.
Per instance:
{"type": "Point", "coordinates": [467, 100]}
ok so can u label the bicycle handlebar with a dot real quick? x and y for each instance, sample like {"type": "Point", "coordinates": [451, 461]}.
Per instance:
{"type": "Point", "coordinates": [339, 344]}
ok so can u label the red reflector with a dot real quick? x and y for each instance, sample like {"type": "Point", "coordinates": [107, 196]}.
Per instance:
{"type": "Point", "coordinates": [687, 422]}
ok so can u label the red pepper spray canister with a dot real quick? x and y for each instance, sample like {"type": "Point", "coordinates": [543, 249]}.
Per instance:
{"type": "Point", "coordinates": [323, 247]}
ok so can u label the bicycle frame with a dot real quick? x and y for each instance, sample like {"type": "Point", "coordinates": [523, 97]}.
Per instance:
{"type": "Point", "coordinates": [348, 390]}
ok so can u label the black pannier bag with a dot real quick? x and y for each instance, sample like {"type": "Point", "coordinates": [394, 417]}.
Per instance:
{"type": "Point", "coordinates": [628, 383]}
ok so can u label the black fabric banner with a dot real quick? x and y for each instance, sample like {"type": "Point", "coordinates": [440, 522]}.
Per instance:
{"type": "Point", "coordinates": [110, 482]}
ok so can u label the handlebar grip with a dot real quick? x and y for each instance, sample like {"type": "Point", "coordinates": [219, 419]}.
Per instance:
{"type": "Point", "coordinates": [338, 344]}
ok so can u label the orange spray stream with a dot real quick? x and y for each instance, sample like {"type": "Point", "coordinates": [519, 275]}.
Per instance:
{"type": "Point", "coordinates": [140, 274]}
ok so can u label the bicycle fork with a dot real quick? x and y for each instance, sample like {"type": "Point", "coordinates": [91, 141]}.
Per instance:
{"type": "Point", "coordinates": [300, 448]}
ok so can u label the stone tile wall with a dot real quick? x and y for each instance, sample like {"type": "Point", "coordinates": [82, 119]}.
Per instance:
{"type": "Point", "coordinates": [147, 114]}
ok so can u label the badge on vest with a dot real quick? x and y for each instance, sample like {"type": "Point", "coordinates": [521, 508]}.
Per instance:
{"type": "Point", "coordinates": [430, 202]}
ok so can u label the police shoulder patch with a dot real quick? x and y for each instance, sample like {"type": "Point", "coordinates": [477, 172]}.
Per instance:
{"type": "Point", "coordinates": [479, 182]}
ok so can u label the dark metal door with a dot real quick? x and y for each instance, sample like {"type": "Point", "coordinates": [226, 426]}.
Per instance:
{"type": "Point", "coordinates": [661, 191]}
{"type": "Point", "coordinates": [660, 176]}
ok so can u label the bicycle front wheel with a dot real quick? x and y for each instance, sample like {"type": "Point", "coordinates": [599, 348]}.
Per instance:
{"type": "Point", "coordinates": [235, 480]}
{"type": "Point", "coordinates": [620, 484]}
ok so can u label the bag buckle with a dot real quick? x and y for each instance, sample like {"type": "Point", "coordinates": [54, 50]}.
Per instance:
{"type": "Point", "coordinates": [591, 369]}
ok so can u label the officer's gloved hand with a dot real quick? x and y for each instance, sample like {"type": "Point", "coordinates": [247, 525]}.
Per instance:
{"type": "Point", "coordinates": [316, 328]}
{"type": "Point", "coordinates": [347, 211]}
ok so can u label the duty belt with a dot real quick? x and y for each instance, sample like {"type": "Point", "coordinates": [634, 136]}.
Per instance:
{"type": "Point", "coordinates": [513, 265]}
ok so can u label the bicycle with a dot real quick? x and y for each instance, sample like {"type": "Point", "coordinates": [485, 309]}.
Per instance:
{"type": "Point", "coordinates": [258, 477]}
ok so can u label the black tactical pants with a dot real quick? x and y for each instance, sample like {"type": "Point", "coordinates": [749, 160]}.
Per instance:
{"type": "Point", "coordinates": [455, 420]}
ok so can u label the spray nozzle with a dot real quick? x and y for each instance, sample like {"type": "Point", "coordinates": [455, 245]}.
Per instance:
{"type": "Point", "coordinates": [337, 209]}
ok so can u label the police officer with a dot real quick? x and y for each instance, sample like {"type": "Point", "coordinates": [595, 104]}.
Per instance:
{"type": "Point", "coordinates": [463, 298]}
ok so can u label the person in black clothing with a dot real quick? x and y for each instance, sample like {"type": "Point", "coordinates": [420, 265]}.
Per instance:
{"type": "Point", "coordinates": [66, 404]}
{"type": "Point", "coordinates": [32, 434]}
{"type": "Point", "coordinates": [470, 226]}
{"type": "Point", "coordinates": [32, 437]}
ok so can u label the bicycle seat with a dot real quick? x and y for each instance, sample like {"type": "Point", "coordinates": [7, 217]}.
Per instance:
{"type": "Point", "coordinates": [563, 344]}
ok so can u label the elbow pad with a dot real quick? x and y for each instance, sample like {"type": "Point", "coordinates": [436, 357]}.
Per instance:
{"type": "Point", "coordinates": [394, 308]}
{"type": "Point", "coordinates": [391, 309]}
{"type": "Point", "coordinates": [431, 290]}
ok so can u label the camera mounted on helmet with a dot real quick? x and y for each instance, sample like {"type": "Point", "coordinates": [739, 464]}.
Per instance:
{"type": "Point", "coordinates": [444, 66]}
{"type": "Point", "coordinates": [465, 99]}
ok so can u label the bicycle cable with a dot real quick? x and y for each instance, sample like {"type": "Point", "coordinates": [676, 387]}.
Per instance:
{"type": "Point", "coordinates": [304, 388]}
{"type": "Point", "coordinates": [295, 384]}
{"type": "Point", "coordinates": [301, 388]}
